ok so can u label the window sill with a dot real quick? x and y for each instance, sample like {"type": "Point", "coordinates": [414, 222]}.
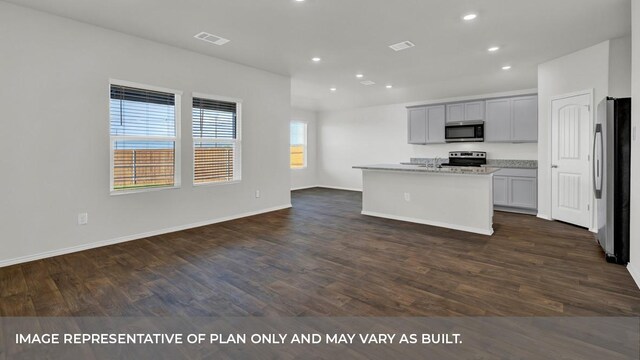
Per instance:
{"type": "Point", "coordinates": [138, 191]}
{"type": "Point", "coordinates": [218, 183]}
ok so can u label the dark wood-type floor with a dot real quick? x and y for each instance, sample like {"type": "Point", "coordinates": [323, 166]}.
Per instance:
{"type": "Point", "coordinates": [323, 258]}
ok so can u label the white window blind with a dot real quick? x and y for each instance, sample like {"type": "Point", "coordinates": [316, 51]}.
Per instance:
{"type": "Point", "coordinates": [298, 142]}
{"type": "Point", "coordinates": [215, 140]}
{"type": "Point", "coordinates": [144, 137]}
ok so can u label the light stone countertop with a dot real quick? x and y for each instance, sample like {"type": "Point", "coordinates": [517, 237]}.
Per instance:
{"type": "Point", "coordinates": [430, 170]}
{"type": "Point", "coordinates": [513, 164]}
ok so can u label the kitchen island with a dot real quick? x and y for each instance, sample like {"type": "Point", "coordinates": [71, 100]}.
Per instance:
{"type": "Point", "coordinates": [450, 197]}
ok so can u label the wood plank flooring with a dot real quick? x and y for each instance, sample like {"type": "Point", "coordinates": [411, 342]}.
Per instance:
{"type": "Point", "coordinates": [323, 258]}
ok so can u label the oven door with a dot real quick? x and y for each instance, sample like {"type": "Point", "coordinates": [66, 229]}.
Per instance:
{"type": "Point", "coordinates": [464, 132]}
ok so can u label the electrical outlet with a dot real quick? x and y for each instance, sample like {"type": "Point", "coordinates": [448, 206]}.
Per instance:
{"type": "Point", "coordinates": [83, 218]}
{"type": "Point", "coordinates": [257, 194]}
{"type": "Point", "coordinates": [407, 197]}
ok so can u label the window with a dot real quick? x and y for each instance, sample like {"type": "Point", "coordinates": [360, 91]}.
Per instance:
{"type": "Point", "coordinates": [216, 140]}
{"type": "Point", "coordinates": [145, 132]}
{"type": "Point", "coordinates": [298, 145]}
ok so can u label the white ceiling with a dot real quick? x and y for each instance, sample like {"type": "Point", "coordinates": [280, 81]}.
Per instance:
{"type": "Point", "coordinates": [450, 58]}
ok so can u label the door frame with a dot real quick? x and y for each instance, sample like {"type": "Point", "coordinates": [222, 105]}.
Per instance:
{"type": "Point", "coordinates": [592, 114]}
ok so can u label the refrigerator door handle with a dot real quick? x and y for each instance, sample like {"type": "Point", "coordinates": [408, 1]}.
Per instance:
{"type": "Point", "coordinates": [597, 161]}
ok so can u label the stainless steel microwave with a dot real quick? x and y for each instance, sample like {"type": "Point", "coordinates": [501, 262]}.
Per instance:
{"type": "Point", "coordinates": [465, 131]}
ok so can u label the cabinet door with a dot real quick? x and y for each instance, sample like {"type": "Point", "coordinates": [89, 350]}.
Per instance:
{"type": "Point", "coordinates": [417, 126]}
{"type": "Point", "coordinates": [523, 192]}
{"type": "Point", "coordinates": [474, 110]}
{"type": "Point", "coordinates": [497, 123]}
{"type": "Point", "coordinates": [455, 112]}
{"type": "Point", "coordinates": [435, 124]}
{"type": "Point", "coordinates": [500, 193]}
{"type": "Point", "coordinates": [524, 126]}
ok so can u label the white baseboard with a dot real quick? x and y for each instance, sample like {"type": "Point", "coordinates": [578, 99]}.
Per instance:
{"type": "Point", "coordinates": [432, 223]}
{"type": "Point", "coordinates": [93, 245]}
{"type": "Point", "coordinates": [545, 217]}
{"type": "Point", "coordinates": [304, 187]}
{"type": "Point", "coordinates": [339, 188]}
{"type": "Point", "coordinates": [635, 273]}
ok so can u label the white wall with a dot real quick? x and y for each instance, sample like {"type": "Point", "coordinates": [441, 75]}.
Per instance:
{"type": "Point", "coordinates": [634, 265]}
{"type": "Point", "coordinates": [307, 177]}
{"type": "Point", "coordinates": [55, 136]}
{"type": "Point", "coordinates": [620, 67]}
{"type": "Point", "coordinates": [583, 70]}
{"type": "Point", "coordinates": [376, 135]}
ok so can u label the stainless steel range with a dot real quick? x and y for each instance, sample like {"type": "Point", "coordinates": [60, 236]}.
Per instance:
{"type": "Point", "coordinates": [466, 159]}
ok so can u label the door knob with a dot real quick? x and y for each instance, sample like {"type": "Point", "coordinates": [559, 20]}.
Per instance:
{"type": "Point", "coordinates": [554, 166]}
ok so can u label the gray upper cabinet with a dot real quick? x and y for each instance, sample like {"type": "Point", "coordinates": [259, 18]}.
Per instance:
{"type": "Point", "coordinates": [418, 126]}
{"type": "Point", "coordinates": [455, 112]}
{"type": "Point", "coordinates": [426, 125]}
{"type": "Point", "coordinates": [512, 119]}
{"type": "Point", "coordinates": [497, 126]}
{"type": "Point", "coordinates": [525, 119]}
{"type": "Point", "coordinates": [474, 110]}
{"type": "Point", "coordinates": [465, 111]}
{"type": "Point", "coordinates": [435, 124]}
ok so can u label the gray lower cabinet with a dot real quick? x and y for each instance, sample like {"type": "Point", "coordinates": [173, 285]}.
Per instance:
{"type": "Point", "coordinates": [426, 125]}
{"type": "Point", "coordinates": [500, 190]}
{"type": "Point", "coordinates": [516, 188]}
{"type": "Point", "coordinates": [512, 119]}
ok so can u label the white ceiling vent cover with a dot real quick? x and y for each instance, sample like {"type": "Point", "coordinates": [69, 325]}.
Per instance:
{"type": "Point", "coordinates": [214, 39]}
{"type": "Point", "coordinates": [367, 82]}
{"type": "Point", "coordinates": [402, 45]}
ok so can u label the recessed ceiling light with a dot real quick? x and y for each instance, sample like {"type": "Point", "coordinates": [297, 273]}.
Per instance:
{"type": "Point", "coordinates": [367, 83]}
{"type": "Point", "coordinates": [507, 67]}
{"type": "Point", "coordinates": [359, 76]}
{"type": "Point", "coordinates": [332, 89]}
{"type": "Point", "coordinates": [493, 49]}
{"type": "Point", "coordinates": [389, 86]}
{"type": "Point", "coordinates": [315, 59]}
{"type": "Point", "coordinates": [299, 0]}
{"type": "Point", "coordinates": [470, 17]}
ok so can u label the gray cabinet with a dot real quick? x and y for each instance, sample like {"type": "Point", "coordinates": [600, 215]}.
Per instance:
{"type": "Point", "coordinates": [426, 125]}
{"type": "Point", "coordinates": [435, 124]}
{"type": "Point", "coordinates": [523, 192]}
{"type": "Point", "coordinates": [500, 191]}
{"type": "Point", "coordinates": [497, 126]}
{"type": "Point", "coordinates": [465, 111]}
{"type": "Point", "coordinates": [516, 188]}
{"type": "Point", "coordinates": [512, 119]}
{"type": "Point", "coordinates": [525, 119]}
{"type": "Point", "coordinates": [418, 126]}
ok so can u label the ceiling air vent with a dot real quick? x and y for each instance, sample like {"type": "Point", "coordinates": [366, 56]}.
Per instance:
{"type": "Point", "coordinates": [367, 82]}
{"type": "Point", "coordinates": [402, 45]}
{"type": "Point", "coordinates": [204, 36]}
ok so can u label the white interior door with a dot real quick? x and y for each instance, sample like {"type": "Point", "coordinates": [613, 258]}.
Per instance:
{"type": "Point", "coordinates": [570, 170]}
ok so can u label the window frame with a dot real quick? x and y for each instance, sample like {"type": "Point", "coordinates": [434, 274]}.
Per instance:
{"type": "Point", "coordinates": [177, 173]}
{"type": "Point", "coordinates": [305, 145]}
{"type": "Point", "coordinates": [237, 160]}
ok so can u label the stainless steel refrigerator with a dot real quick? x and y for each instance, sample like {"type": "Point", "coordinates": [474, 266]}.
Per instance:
{"type": "Point", "coordinates": [612, 177]}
